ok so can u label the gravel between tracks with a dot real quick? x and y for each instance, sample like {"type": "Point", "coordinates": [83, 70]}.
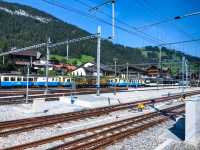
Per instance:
{"type": "Point", "coordinates": [62, 128]}
{"type": "Point", "coordinates": [152, 138]}
{"type": "Point", "coordinates": [146, 140]}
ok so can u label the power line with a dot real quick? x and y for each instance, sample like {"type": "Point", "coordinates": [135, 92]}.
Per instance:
{"type": "Point", "coordinates": [24, 49]}
{"type": "Point", "coordinates": [187, 15]}
{"type": "Point", "coordinates": [117, 26]}
{"type": "Point", "coordinates": [168, 20]}
{"type": "Point", "coordinates": [156, 12]}
{"type": "Point", "coordinates": [100, 5]}
{"type": "Point", "coordinates": [154, 24]}
{"type": "Point", "coordinates": [136, 33]}
{"type": "Point", "coordinates": [179, 42]}
{"type": "Point", "coordinates": [50, 45]}
{"type": "Point", "coordinates": [119, 21]}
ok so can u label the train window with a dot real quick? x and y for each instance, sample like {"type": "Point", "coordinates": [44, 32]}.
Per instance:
{"type": "Point", "coordinates": [6, 78]}
{"type": "Point", "coordinates": [12, 79]}
{"type": "Point", "coordinates": [68, 80]}
{"type": "Point", "coordinates": [31, 79]}
{"type": "Point", "coordinates": [19, 79]}
{"type": "Point", "coordinates": [24, 79]}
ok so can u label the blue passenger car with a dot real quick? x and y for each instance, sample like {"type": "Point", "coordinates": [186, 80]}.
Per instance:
{"type": "Point", "coordinates": [15, 81]}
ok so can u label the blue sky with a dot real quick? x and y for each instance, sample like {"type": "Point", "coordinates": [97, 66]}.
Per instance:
{"type": "Point", "coordinates": [136, 13]}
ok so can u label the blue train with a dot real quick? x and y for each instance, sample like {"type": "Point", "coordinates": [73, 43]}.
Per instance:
{"type": "Point", "coordinates": [66, 81]}
{"type": "Point", "coordinates": [21, 81]}
{"type": "Point", "coordinates": [124, 83]}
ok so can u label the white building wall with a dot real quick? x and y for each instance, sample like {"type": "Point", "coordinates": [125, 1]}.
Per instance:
{"type": "Point", "coordinates": [88, 64]}
{"type": "Point", "coordinates": [95, 74]}
{"type": "Point", "coordinates": [79, 72]}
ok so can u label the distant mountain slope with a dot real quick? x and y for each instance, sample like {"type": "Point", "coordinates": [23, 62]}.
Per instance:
{"type": "Point", "coordinates": [22, 26]}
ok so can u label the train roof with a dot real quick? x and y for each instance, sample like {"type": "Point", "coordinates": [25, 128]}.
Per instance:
{"type": "Point", "coordinates": [32, 75]}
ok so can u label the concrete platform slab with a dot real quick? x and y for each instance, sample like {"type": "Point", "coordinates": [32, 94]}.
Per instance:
{"type": "Point", "coordinates": [192, 129]}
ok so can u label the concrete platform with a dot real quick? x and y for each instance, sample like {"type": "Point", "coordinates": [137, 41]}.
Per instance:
{"type": "Point", "coordinates": [192, 130]}
{"type": "Point", "coordinates": [105, 99]}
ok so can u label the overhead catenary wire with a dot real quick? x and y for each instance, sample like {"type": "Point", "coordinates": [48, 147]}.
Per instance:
{"type": "Point", "coordinates": [156, 12]}
{"type": "Point", "coordinates": [49, 45]}
{"type": "Point", "coordinates": [179, 42]}
{"type": "Point", "coordinates": [120, 21]}
{"type": "Point", "coordinates": [24, 49]}
{"type": "Point", "coordinates": [127, 30]}
{"type": "Point", "coordinates": [138, 29]}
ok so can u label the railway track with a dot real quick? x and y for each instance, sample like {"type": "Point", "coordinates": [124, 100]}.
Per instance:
{"type": "Point", "coordinates": [100, 136]}
{"type": "Point", "coordinates": [28, 124]}
{"type": "Point", "coordinates": [13, 92]}
{"type": "Point", "coordinates": [17, 97]}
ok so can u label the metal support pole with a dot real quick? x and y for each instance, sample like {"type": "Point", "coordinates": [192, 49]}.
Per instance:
{"type": "Point", "coordinates": [115, 68]}
{"type": "Point", "coordinates": [113, 19]}
{"type": "Point", "coordinates": [127, 72]}
{"type": "Point", "coordinates": [31, 60]}
{"type": "Point", "coordinates": [115, 61]}
{"type": "Point", "coordinates": [27, 81]}
{"type": "Point", "coordinates": [186, 73]}
{"type": "Point", "coordinates": [183, 74]}
{"type": "Point", "coordinates": [3, 60]}
{"type": "Point", "coordinates": [98, 59]}
{"type": "Point", "coordinates": [73, 90]}
{"type": "Point", "coordinates": [47, 65]}
{"type": "Point", "coordinates": [67, 51]}
{"type": "Point", "coordinates": [160, 58]}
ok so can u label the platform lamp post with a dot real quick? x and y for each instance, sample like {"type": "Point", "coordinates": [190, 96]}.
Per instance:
{"type": "Point", "coordinates": [98, 60]}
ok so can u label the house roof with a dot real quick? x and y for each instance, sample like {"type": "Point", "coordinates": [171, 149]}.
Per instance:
{"type": "Point", "coordinates": [30, 53]}
{"type": "Point", "coordinates": [93, 68]}
{"type": "Point", "coordinates": [103, 68]}
{"type": "Point", "coordinates": [124, 69]}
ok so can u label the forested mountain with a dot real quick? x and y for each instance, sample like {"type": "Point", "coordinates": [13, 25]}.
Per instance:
{"type": "Point", "coordinates": [22, 26]}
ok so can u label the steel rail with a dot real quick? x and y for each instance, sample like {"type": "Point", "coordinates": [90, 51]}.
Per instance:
{"type": "Point", "coordinates": [112, 125]}
{"type": "Point", "coordinates": [23, 125]}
